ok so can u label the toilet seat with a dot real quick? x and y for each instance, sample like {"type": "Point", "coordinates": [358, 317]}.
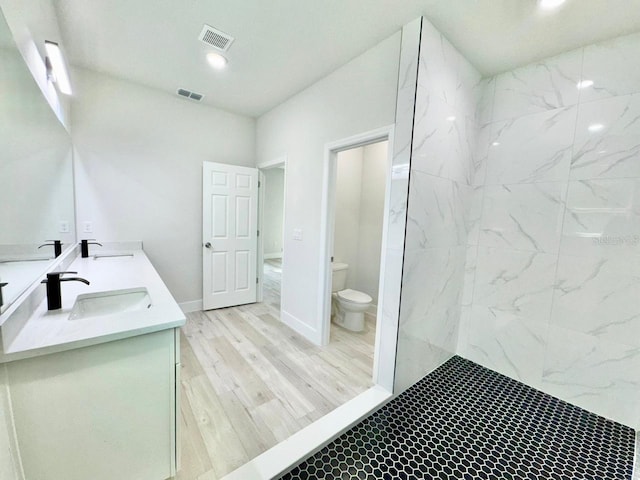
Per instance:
{"type": "Point", "coordinates": [354, 296]}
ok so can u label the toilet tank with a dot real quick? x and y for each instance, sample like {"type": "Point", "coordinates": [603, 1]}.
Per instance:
{"type": "Point", "coordinates": [339, 276]}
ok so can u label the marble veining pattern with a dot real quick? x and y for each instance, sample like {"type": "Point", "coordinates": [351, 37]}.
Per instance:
{"type": "Point", "coordinates": [546, 85]}
{"type": "Point", "coordinates": [532, 148]}
{"type": "Point", "coordinates": [599, 297]}
{"type": "Point", "coordinates": [552, 276]}
{"type": "Point", "coordinates": [600, 376]}
{"type": "Point", "coordinates": [436, 212]}
{"type": "Point", "coordinates": [602, 219]}
{"type": "Point", "coordinates": [613, 67]}
{"type": "Point", "coordinates": [607, 143]}
{"type": "Point", "coordinates": [515, 282]}
{"type": "Point", "coordinates": [523, 216]}
{"type": "Point", "coordinates": [442, 168]}
{"type": "Point", "coordinates": [507, 343]}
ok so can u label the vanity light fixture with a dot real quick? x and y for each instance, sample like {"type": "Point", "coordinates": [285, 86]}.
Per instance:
{"type": "Point", "coordinates": [550, 4]}
{"type": "Point", "coordinates": [595, 127]}
{"type": "Point", "coordinates": [216, 60]}
{"type": "Point", "coordinates": [56, 68]}
{"type": "Point", "coordinates": [585, 84]}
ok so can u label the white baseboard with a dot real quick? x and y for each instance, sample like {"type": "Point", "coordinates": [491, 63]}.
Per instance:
{"type": "Point", "coordinates": [193, 306]}
{"type": "Point", "coordinates": [300, 445]}
{"type": "Point", "coordinates": [302, 328]}
{"type": "Point", "coordinates": [271, 256]}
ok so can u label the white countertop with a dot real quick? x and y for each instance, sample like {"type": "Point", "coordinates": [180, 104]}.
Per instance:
{"type": "Point", "coordinates": [47, 332]}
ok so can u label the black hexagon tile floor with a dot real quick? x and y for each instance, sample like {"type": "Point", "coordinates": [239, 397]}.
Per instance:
{"type": "Point", "coordinates": [465, 422]}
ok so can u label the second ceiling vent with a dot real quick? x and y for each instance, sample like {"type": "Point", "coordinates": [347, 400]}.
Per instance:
{"type": "Point", "coordinates": [183, 92]}
{"type": "Point", "coordinates": [215, 38]}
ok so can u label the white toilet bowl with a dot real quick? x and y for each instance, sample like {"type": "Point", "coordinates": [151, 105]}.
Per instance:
{"type": "Point", "coordinates": [349, 307]}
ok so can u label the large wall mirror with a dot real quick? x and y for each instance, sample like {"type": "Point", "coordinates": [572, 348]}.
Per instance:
{"type": "Point", "coordinates": [36, 176]}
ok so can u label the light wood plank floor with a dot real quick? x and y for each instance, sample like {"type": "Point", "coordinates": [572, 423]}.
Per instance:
{"type": "Point", "coordinates": [249, 382]}
{"type": "Point", "coordinates": [272, 275]}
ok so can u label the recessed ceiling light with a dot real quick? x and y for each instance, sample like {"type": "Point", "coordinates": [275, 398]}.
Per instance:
{"type": "Point", "coordinates": [495, 144]}
{"type": "Point", "coordinates": [595, 127]}
{"type": "Point", "coordinates": [451, 119]}
{"type": "Point", "coordinates": [216, 60]}
{"type": "Point", "coordinates": [585, 84]}
{"type": "Point", "coordinates": [550, 4]}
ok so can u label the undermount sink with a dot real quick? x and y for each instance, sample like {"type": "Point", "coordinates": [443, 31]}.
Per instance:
{"type": "Point", "coordinates": [109, 303]}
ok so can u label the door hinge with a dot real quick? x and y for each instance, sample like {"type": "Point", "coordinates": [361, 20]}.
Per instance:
{"type": "Point", "coordinates": [258, 232]}
{"type": "Point", "coordinates": [256, 280]}
{"type": "Point", "coordinates": [259, 183]}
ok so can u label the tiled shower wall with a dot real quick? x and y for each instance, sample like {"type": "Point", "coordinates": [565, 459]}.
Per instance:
{"type": "Point", "coordinates": [552, 281]}
{"type": "Point", "coordinates": [440, 187]}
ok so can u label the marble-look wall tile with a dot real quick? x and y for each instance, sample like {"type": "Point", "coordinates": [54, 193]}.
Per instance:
{"type": "Point", "coordinates": [613, 68]}
{"type": "Point", "coordinates": [607, 143]}
{"type": "Point", "coordinates": [473, 215]}
{"type": "Point", "coordinates": [515, 282]}
{"type": "Point", "coordinates": [600, 376]}
{"type": "Point", "coordinates": [507, 343]}
{"type": "Point", "coordinates": [441, 142]}
{"type": "Point", "coordinates": [602, 219]}
{"type": "Point", "coordinates": [430, 311]}
{"type": "Point", "coordinates": [523, 216]}
{"type": "Point", "coordinates": [393, 255]}
{"type": "Point", "coordinates": [486, 93]}
{"type": "Point", "coordinates": [469, 275]}
{"type": "Point", "coordinates": [480, 153]}
{"type": "Point", "coordinates": [436, 216]}
{"type": "Point", "coordinates": [543, 86]}
{"type": "Point", "coordinates": [599, 297]}
{"type": "Point", "coordinates": [533, 148]}
{"type": "Point", "coordinates": [431, 282]}
{"type": "Point", "coordinates": [438, 71]}
{"type": "Point", "coordinates": [416, 358]}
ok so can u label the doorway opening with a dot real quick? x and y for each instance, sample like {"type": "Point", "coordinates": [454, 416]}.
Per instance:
{"type": "Point", "coordinates": [356, 192]}
{"type": "Point", "coordinates": [272, 187]}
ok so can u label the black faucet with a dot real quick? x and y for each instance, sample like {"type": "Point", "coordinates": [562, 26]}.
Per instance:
{"type": "Point", "coordinates": [54, 295]}
{"type": "Point", "coordinates": [3, 284]}
{"type": "Point", "coordinates": [57, 246]}
{"type": "Point", "coordinates": [84, 246]}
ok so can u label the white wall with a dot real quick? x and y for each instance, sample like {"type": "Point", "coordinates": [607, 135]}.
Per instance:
{"type": "Point", "coordinates": [358, 97]}
{"type": "Point", "coordinates": [347, 216]}
{"type": "Point", "coordinates": [273, 211]}
{"type": "Point", "coordinates": [139, 155]}
{"type": "Point", "coordinates": [375, 167]}
{"type": "Point", "coordinates": [360, 192]}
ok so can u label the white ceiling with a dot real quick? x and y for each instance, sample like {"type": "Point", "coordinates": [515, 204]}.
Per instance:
{"type": "Point", "coordinates": [283, 46]}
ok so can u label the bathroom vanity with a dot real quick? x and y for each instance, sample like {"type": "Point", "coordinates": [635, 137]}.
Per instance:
{"type": "Point", "coordinates": [91, 389]}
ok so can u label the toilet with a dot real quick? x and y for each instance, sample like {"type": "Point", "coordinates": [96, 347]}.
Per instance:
{"type": "Point", "coordinates": [347, 306]}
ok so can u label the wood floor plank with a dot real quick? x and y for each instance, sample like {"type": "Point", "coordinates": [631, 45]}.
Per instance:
{"type": "Point", "coordinates": [216, 428]}
{"type": "Point", "coordinates": [195, 459]}
{"type": "Point", "coordinates": [249, 381]}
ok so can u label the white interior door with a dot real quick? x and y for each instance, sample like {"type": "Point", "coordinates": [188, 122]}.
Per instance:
{"type": "Point", "coordinates": [230, 235]}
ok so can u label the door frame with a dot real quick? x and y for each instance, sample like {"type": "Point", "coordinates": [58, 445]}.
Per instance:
{"type": "Point", "coordinates": [327, 222]}
{"type": "Point", "coordinates": [277, 162]}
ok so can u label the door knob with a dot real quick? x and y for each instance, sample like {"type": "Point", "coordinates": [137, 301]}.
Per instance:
{"type": "Point", "coordinates": [208, 244]}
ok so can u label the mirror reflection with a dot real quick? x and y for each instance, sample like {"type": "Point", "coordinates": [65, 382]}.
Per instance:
{"type": "Point", "coordinates": [36, 177]}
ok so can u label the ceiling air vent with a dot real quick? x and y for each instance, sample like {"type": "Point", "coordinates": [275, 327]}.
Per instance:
{"type": "Point", "coordinates": [215, 38]}
{"type": "Point", "coordinates": [188, 94]}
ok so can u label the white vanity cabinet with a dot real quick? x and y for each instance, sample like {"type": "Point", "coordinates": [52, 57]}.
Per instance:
{"type": "Point", "coordinates": [102, 412]}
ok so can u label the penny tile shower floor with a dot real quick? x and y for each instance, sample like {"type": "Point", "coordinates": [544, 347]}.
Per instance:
{"type": "Point", "coordinates": [464, 421]}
